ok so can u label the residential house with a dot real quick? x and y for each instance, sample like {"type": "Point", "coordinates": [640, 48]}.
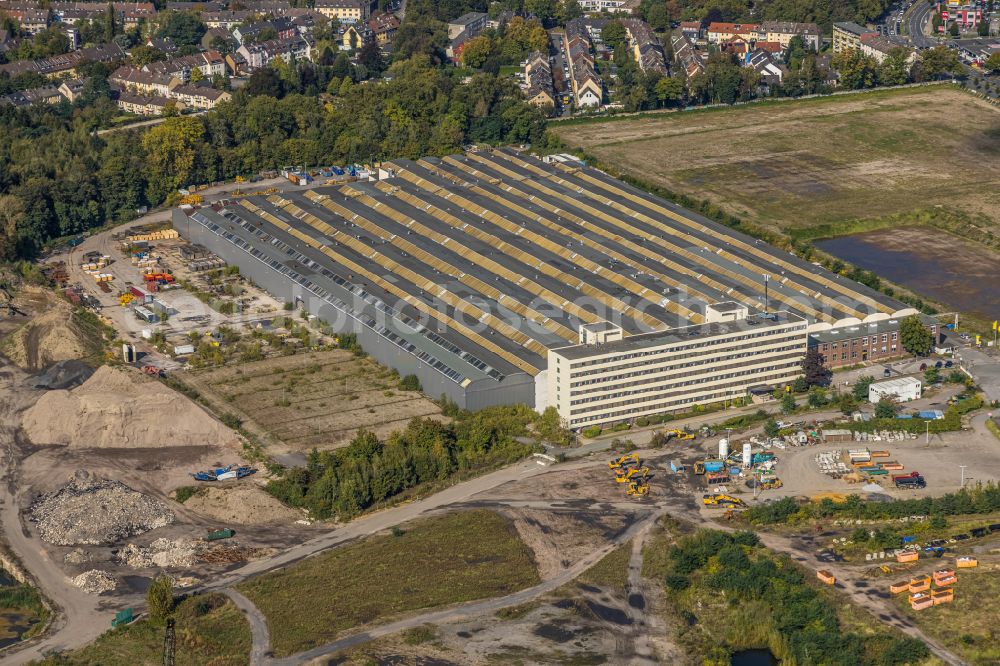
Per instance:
{"type": "Point", "coordinates": [608, 6]}
{"type": "Point", "coordinates": [145, 105]}
{"type": "Point", "coordinates": [771, 72]}
{"type": "Point", "coordinates": [270, 7]}
{"type": "Point", "coordinates": [878, 48]}
{"type": "Point", "coordinates": [646, 48]}
{"type": "Point", "coordinates": [141, 82]}
{"type": "Point", "coordinates": [209, 63]}
{"type": "Point", "coordinates": [686, 55]}
{"type": "Point", "coordinates": [282, 27]}
{"type": "Point", "coordinates": [354, 36]}
{"type": "Point", "coordinates": [197, 6]}
{"type": "Point", "coordinates": [163, 44]}
{"type": "Point", "coordinates": [587, 88]}
{"type": "Point", "coordinates": [66, 62]}
{"type": "Point", "coordinates": [723, 32]}
{"type": "Point", "coordinates": [783, 32]}
{"type": "Point", "coordinates": [71, 89]}
{"type": "Point", "coordinates": [199, 97]}
{"type": "Point", "coordinates": [43, 95]}
{"type": "Point", "coordinates": [345, 11]}
{"type": "Point", "coordinates": [256, 56]}
{"type": "Point", "coordinates": [471, 24]}
{"type": "Point", "coordinates": [31, 20]}
{"type": "Point", "coordinates": [383, 27]}
{"type": "Point", "coordinates": [538, 79]}
{"type": "Point", "coordinates": [848, 35]}
{"type": "Point", "coordinates": [742, 48]}
{"type": "Point", "coordinates": [691, 29]}
{"type": "Point", "coordinates": [227, 19]}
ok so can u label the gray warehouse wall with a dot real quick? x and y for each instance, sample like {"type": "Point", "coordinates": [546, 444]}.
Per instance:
{"type": "Point", "coordinates": [515, 388]}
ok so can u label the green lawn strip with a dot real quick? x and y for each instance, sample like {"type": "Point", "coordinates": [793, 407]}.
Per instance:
{"type": "Point", "coordinates": [430, 563]}
{"type": "Point", "coordinates": [209, 630]}
{"type": "Point", "coordinates": [611, 571]}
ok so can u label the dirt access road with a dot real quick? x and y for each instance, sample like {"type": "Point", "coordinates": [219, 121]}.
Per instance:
{"type": "Point", "coordinates": [79, 617]}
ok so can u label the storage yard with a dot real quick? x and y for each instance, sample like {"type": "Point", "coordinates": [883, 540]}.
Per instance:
{"type": "Point", "coordinates": [468, 270]}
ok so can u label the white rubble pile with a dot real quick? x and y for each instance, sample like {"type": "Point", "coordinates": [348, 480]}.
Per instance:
{"type": "Point", "coordinates": [96, 512]}
{"type": "Point", "coordinates": [95, 581]}
{"type": "Point", "coordinates": [160, 553]}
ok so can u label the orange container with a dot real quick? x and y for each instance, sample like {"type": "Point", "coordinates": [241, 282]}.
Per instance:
{"type": "Point", "coordinates": [920, 584]}
{"type": "Point", "coordinates": [826, 577]}
{"type": "Point", "coordinates": [896, 588]}
{"type": "Point", "coordinates": [966, 562]}
{"type": "Point", "coordinates": [908, 556]}
{"type": "Point", "coordinates": [921, 601]}
{"type": "Point", "coordinates": [943, 596]}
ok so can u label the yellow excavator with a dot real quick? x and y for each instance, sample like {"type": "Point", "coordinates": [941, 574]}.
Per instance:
{"type": "Point", "coordinates": [627, 476]}
{"type": "Point", "coordinates": [632, 458]}
{"type": "Point", "coordinates": [723, 500]}
{"type": "Point", "coordinates": [678, 434]}
{"type": "Point", "coordinates": [637, 489]}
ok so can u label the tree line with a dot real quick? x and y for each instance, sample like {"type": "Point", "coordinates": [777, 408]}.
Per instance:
{"type": "Point", "coordinates": [347, 481]}
{"type": "Point", "coordinates": [978, 499]}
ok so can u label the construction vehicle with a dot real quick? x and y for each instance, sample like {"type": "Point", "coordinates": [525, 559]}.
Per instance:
{"type": "Point", "coordinates": [679, 434]}
{"type": "Point", "coordinates": [632, 458]}
{"type": "Point", "coordinates": [627, 476]}
{"type": "Point", "coordinates": [126, 298]}
{"type": "Point", "coordinates": [699, 467]}
{"type": "Point", "coordinates": [909, 481]}
{"type": "Point", "coordinates": [724, 500]}
{"type": "Point", "coordinates": [635, 489]}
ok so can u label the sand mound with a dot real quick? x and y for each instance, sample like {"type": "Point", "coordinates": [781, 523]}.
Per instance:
{"type": "Point", "coordinates": [45, 339]}
{"type": "Point", "coordinates": [241, 505]}
{"type": "Point", "coordinates": [119, 408]}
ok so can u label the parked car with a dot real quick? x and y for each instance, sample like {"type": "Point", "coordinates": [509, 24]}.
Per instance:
{"type": "Point", "coordinates": [887, 372]}
{"type": "Point", "coordinates": [939, 365]}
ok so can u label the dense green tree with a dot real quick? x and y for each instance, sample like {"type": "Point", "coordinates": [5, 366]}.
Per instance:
{"type": "Point", "coordinates": [860, 389]}
{"type": "Point", "coordinates": [886, 408]}
{"type": "Point", "coordinates": [938, 62]}
{"type": "Point", "coordinates": [856, 69]}
{"type": "Point", "coordinates": [788, 403]}
{"type": "Point", "coordinates": [185, 28]}
{"type": "Point", "coordinates": [895, 69]}
{"type": "Point", "coordinates": [915, 337]}
{"type": "Point", "coordinates": [160, 598]}
{"type": "Point", "coordinates": [992, 63]}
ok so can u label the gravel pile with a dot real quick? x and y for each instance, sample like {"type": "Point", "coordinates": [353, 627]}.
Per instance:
{"type": "Point", "coordinates": [95, 581]}
{"type": "Point", "coordinates": [96, 512]}
{"type": "Point", "coordinates": [161, 553]}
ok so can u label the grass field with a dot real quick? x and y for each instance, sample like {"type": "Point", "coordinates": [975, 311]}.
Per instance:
{"type": "Point", "coordinates": [789, 165]}
{"type": "Point", "coordinates": [209, 630]}
{"type": "Point", "coordinates": [966, 626]}
{"type": "Point", "coordinates": [313, 400]}
{"type": "Point", "coordinates": [433, 562]}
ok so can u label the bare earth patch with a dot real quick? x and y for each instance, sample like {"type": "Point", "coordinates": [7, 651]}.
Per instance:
{"type": "Point", "coordinates": [244, 504]}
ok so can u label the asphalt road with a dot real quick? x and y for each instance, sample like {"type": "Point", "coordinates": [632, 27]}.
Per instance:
{"type": "Point", "coordinates": [916, 20]}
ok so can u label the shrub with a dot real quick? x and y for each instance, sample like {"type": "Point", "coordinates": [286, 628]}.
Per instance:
{"type": "Point", "coordinates": [409, 383]}
{"type": "Point", "coordinates": [591, 432]}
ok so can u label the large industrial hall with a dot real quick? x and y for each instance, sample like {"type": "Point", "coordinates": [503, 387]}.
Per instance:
{"type": "Point", "coordinates": [473, 271]}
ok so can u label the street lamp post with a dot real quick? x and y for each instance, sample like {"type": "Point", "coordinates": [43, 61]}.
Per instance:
{"type": "Point", "coordinates": [963, 474]}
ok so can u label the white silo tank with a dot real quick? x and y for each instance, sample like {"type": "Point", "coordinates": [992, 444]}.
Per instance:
{"type": "Point", "coordinates": [747, 455]}
{"type": "Point", "coordinates": [723, 448]}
